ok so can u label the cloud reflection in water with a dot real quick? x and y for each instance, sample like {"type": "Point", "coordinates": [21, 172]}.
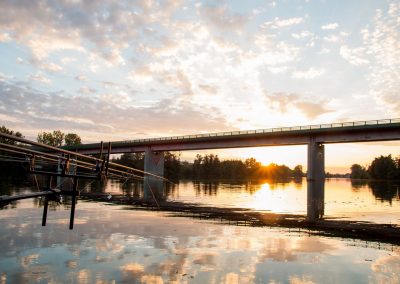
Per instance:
{"type": "Point", "coordinates": [109, 243]}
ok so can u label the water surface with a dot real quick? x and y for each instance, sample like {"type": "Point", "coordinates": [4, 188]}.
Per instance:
{"type": "Point", "coordinates": [377, 202]}
{"type": "Point", "coordinates": [110, 243]}
{"type": "Point", "coordinates": [121, 244]}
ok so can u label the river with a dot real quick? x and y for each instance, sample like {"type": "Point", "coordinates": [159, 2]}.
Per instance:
{"type": "Point", "coordinates": [114, 244]}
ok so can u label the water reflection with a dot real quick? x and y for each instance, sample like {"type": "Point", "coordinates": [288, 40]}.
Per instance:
{"type": "Point", "coordinates": [315, 199]}
{"type": "Point", "coordinates": [111, 244]}
{"type": "Point", "coordinates": [339, 198]}
{"type": "Point", "coordinates": [382, 190]}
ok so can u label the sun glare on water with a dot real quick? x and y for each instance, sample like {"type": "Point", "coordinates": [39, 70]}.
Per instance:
{"type": "Point", "coordinates": [278, 199]}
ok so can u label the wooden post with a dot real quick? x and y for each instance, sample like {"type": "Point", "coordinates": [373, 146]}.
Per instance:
{"type": "Point", "coordinates": [46, 202]}
{"type": "Point", "coordinates": [74, 193]}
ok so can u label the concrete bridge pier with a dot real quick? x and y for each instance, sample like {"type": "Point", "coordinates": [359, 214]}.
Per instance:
{"type": "Point", "coordinates": [315, 180]}
{"type": "Point", "coordinates": [154, 164]}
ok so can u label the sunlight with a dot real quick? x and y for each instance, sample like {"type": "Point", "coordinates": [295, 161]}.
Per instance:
{"type": "Point", "coordinates": [260, 197]}
{"type": "Point", "coordinates": [279, 199]}
{"type": "Point", "coordinates": [287, 155]}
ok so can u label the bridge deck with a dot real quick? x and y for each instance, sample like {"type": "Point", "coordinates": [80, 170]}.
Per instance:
{"type": "Point", "coordinates": [358, 131]}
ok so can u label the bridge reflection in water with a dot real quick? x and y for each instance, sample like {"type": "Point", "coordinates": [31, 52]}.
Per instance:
{"type": "Point", "coordinates": [315, 200]}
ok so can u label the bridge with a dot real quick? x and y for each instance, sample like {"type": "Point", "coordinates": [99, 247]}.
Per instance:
{"type": "Point", "coordinates": [314, 136]}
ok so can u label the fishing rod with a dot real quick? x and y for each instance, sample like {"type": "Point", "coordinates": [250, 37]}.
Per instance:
{"type": "Point", "coordinates": [56, 159]}
{"type": "Point", "coordinates": [48, 147]}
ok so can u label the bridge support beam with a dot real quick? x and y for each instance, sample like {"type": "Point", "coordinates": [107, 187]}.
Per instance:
{"type": "Point", "coordinates": [154, 164]}
{"type": "Point", "coordinates": [315, 180]}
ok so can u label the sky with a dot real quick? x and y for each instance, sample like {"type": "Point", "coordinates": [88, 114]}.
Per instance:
{"type": "Point", "coordinates": [122, 70]}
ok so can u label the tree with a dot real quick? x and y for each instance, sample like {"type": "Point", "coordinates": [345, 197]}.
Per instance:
{"type": "Point", "coordinates": [72, 139]}
{"type": "Point", "coordinates": [358, 172]}
{"type": "Point", "coordinates": [252, 166]}
{"type": "Point", "coordinates": [133, 160]}
{"type": "Point", "coordinates": [233, 169]}
{"type": "Point", "coordinates": [54, 139]}
{"type": "Point", "coordinates": [58, 138]}
{"type": "Point", "coordinates": [5, 130]}
{"type": "Point", "coordinates": [13, 170]}
{"type": "Point", "coordinates": [171, 165]}
{"type": "Point", "coordinates": [298, 171]}
{"type": "Point", "coordinates": [397, 161]}
{"type": "Point", "coordinates": [383, 167]}
{"type": "Point", "coordinates": [197, 165]}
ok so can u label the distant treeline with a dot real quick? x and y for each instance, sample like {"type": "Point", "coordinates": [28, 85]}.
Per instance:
{"type": "Point", "coordinates": [383, 167]}
{"type": "Point", "coordinates": [211, 167]}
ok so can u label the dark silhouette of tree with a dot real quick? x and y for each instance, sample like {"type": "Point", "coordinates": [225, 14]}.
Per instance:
{"type": "Point", "coordinates": [10, 170]}
{"type": "Point", "coordinates": [252, 167]}
{"type": "Point", "coordinates": [358, 172]}
{"type": "Point", "coordinates": [298, 171]}
{"type": "Point", "coordinates": [233, 169]}
{"type": "Point", "coordinates": [383, 167]}
{"type": "Point", "coordinates": [58, 138]}
{"type": "Point", "coordinates": [210, 166]}
{"type": "Point", "coordinates": [5, 130]}
{"type": "Point", "coordinates": [197, 166]}
{"type": "Point", "coordinates": [72, 139]}
{"type": "Point", "coordinates": [397, 163]}
{"type": "Point", "coordinates": [133, 160]}
{"type": "Point", "coordinates": [55, 138]}
{"type": "Point", "coordinates": [186, 169]}
{"type": "Point", "coordinates": [172, 166]}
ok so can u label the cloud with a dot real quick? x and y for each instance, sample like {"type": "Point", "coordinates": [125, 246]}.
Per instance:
{"type": "Point", "coordinates": [5, 37]}
{"type": "Point", "coordinates": [40, 78]}
{"type": "Point", "coordinates": [325, 50]}
{"type": "Point", "coordinates": [52, 67]}
{"type": "Point", "coordinates": [283, 23]}
{"type": "Point", "coordinates": [220, 18]}
{"type": "Point", "coordinates": [310, 107]}
{"type": "Point", "coordinates": [332, 38]}
{"type": "Point", "coordinates": [209, 88]}
{"type": "Point", "coordinates": [289, 22]}
{"type": "Point", "coordinates": [86, 90]}
{"type": "Point", "coordinates": [382, 45]}
{"type": "Point", "coordinates": [302, 34]}
{"type": "Point", "coordinates": [385, 269]}
{"type": "Point", "coordinates": [331, 26]}
{"type": "Point", "coordinates": [310, 73]}
{"type": "Point", "coordinates": [272, 52]}
{"type": "Point", "coordinates": [98, 117]}
{"type": "Point", "coordinates": [81, 78]}
{"type": "Point", "coordinates": [132, 270]}
{"type": "Point", "coordinates": [45, 27]}
{"type": "Point", "coordinates": [355, 56]}
{"type": "Point", "coordinates": [67, 60]}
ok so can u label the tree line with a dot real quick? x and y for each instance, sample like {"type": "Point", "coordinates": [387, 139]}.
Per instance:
{"type": "Point", "coordinates": [383, 167]}
{"type": "Point", "coordinates": [211, 167]}
{"type": "Point", "coordinates": [55, 138]}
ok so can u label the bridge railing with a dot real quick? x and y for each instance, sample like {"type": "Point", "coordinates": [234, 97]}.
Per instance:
{"type": "Point", "coordinates": [276, 129]}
